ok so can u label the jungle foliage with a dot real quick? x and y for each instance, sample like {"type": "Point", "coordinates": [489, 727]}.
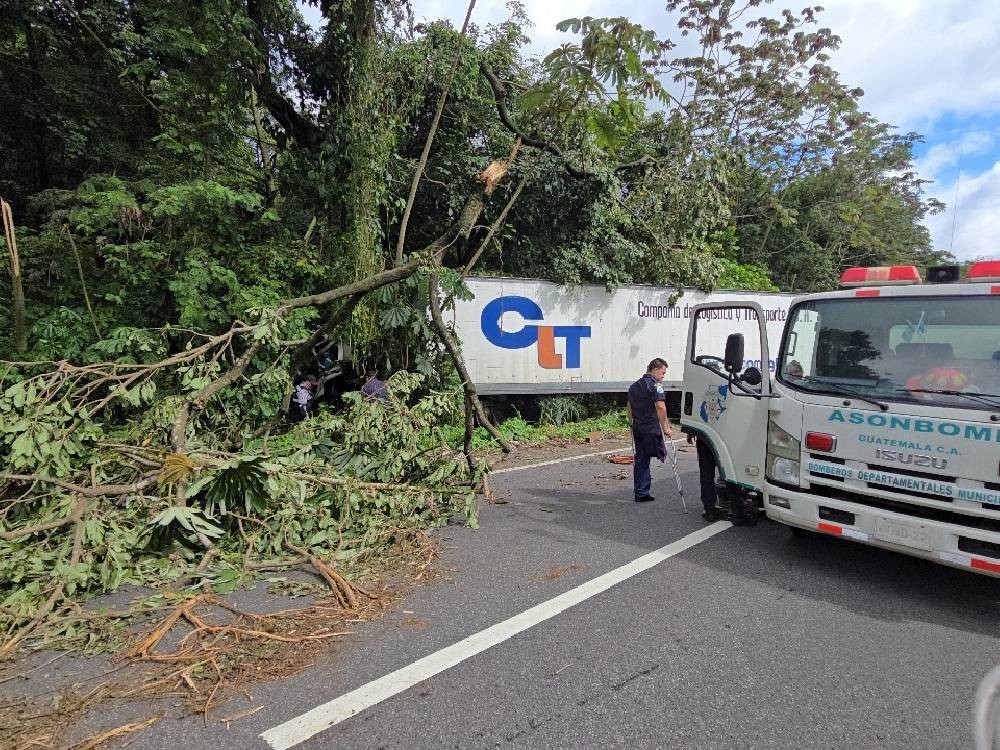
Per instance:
{"type": "Point", "coordinates": [202, 189]}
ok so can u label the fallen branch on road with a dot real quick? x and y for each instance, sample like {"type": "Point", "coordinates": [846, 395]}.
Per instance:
{"type": "Point", "coordinates": [99, 739]}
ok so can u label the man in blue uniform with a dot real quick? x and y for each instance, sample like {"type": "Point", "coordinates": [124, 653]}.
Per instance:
{"type": "Point", "coordinates": [647, 413]}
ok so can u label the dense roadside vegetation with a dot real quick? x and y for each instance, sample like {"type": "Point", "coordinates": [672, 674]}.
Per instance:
{"type": "Point", "coordinates": [203, 189]}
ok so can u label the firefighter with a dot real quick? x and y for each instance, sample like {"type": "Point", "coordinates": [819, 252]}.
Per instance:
{"type": "Point", "coordinates": [647, 415]}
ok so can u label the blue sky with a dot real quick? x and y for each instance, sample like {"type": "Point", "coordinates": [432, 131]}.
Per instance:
{"type": "Point", "coordinates": [930, 66]}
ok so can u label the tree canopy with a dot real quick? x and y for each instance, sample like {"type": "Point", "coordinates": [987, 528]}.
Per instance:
{"type": "Point", "coordinates": [209, 158]}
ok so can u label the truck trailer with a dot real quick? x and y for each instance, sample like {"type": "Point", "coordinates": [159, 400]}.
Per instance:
{"type": "Point", "coordinates": [531, 337]}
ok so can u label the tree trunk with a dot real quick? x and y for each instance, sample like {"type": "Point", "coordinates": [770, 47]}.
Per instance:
{"type": "Point", "coordinates": [422, 163]}
{"type": "Point", "coordinates": [20, 316]}
{"type": "Point", "coordinates": [20, 332]}
{"type": "Point", "coordinates": [265, 152]}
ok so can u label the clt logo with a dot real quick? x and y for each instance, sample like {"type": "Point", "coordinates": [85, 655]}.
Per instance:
{"type": "Point", "coordinates": [544, 336]}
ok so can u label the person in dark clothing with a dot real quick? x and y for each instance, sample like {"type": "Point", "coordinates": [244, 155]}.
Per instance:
{"type": "Point", "coordinates": [742, 510]}
{"type": "Point", "coordinates": [647, 414]}
{"type": "Point", "coordinates": [706, 473]}
{"type": "Point", "coordinates": [302, 399]}
{"type": "Point", "coordinates": [375, 388]}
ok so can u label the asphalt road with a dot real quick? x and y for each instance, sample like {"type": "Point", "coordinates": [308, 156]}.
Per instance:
{"type": "Point", "coordinates": [750, 639]}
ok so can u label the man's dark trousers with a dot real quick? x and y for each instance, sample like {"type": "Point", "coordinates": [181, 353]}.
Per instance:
{"type": "Point", "coordinates": [642, 478]}
{"type": "Point", "coordinates": [706, 473]}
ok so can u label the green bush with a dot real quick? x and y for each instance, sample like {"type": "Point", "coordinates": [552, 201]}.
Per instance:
{"type": "Point", "coordinates": [560, 410]}
{"type": "Point", "coordinates": [524, 433]}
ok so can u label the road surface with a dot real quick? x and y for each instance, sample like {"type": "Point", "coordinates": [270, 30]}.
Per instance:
{"type": "Point", "coordinates": [598, 622]}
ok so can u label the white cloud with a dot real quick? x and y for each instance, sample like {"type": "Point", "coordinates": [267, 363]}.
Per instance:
{"type": "Point", "coordinates": [976, 225]}
{"type": "Point", "coordinates": [919, 59]}
{"type": "Point", "coordinates": [942, 156]}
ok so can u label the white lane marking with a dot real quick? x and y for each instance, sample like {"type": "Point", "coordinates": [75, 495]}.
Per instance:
{"type": "Point", "coordinates": [623, 449]}
{"type": "Point", "coordinates": [321, 718]}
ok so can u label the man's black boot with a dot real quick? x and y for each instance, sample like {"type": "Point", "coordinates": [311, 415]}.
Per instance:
{"type": "Point", "coordinates": [645, 499]}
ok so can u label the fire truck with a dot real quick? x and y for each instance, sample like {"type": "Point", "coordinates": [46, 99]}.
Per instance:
{"type": "Point", "coordinates": [881, 421]}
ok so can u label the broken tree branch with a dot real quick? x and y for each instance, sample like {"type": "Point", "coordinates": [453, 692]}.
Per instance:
{"type": "Point", "coordinates": [17, 286]}
{"type": "Point", "coordinates": [342, 588]}
{"type": "Point", "coordinates": [422, 163]}
{"type": "Point", "coordinates": [500, 97]}
{"type": "Point", "coordinates": [109, 490]}
{"type": "Point", "coordinates": [494, 228]}
{"type": "Point", "coordinates": [472, 397]}
{"type": "Point", "coordinates": [303, 352]}
{"type": "Point", "coordinates": [78, 518]}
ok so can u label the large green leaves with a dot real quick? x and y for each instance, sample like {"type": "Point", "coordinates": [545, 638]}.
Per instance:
{"type": "Point", "coordinates": [241, 483]}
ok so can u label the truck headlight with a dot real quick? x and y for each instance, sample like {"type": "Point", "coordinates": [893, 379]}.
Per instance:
{"type": "Point", "coordinates": [783, 470]}
{"type": "Point", "coordinates": [781, 442]}
{"type": "Point", "coordinates": [783, 452]}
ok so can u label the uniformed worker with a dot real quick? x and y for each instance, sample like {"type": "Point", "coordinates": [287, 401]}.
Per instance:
{"type": "Point", "coordinates": [647, 414]}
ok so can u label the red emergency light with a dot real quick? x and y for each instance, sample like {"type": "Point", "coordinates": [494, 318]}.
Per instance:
{"type": "Point", "coordinates": [880, 276]}
{"type": "Point", "coordinates": [821, 441]}
{"type": "Point", "coordinates": [984, 271]}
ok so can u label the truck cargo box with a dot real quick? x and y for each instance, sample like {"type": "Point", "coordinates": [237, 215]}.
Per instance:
{"type": "Point", "coordinates": [523, 336]}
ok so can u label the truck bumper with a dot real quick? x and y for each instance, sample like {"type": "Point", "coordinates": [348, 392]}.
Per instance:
{"type": "Point", "coordinates": [932, 540]}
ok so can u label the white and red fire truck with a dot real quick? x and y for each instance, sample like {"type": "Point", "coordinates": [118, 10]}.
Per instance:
{"type": "Point", "coordinates": [881, 423]}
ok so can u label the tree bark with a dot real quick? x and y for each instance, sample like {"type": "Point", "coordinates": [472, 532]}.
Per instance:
{"type": "Point", "coordinates": [494, 228]}
{"type": "Point", "coordinates": [470, 429]}
{"type": "Point", "coordinates": [17, 287]}
{"type": "Point", "coordinates": [265, 152]}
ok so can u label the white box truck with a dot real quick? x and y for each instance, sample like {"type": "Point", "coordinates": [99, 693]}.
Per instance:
{"type": "Point", "coordinates": [881, 423]}
{"type": "Point", "coordinates": [530, 337]}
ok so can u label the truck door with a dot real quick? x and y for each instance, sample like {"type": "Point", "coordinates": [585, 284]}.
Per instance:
{"type": "Point", "coordinates": [729, 410]}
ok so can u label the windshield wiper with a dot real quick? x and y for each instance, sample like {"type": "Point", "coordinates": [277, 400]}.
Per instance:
{"type": "Point", "coordinates": [837, 388]}
{"type": "Point", "coordinates": [982, 398]}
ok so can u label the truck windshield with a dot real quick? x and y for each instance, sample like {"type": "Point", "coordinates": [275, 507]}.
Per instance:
{"type": "Point", "coordinates": [935, 350]}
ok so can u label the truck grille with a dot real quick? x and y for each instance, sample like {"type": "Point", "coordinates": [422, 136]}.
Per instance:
{"type": "Point", "coordinates": [916, 511]}
{"type": "Point", "coordinates": [890, 470]}
{"type": "Point", "coordinates": [910, 473]}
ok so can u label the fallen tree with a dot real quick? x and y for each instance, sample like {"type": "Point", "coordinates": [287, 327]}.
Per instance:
{"type": "Point", "coordinates": [154, 473]}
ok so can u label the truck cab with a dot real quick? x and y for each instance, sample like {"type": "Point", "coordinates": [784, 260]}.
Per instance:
{"type": "Point", "coordinates": [877, 420]}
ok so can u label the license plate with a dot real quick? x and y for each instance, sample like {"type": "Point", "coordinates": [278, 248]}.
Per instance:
{"type": "Point", "coordinates": [905, 534]}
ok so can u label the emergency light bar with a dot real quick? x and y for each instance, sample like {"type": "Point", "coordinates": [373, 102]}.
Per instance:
{"type": "Point", "coordinates": [984, 271]}
{"type": "Point", "coordinates": [880, 276]}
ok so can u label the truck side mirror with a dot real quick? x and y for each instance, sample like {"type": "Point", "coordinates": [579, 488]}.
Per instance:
{"type": "Point", "coordinates": [734, 353]}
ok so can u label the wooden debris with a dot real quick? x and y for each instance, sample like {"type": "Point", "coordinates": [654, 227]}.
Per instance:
{"type": "Point", "coordinates": [99, 739]}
